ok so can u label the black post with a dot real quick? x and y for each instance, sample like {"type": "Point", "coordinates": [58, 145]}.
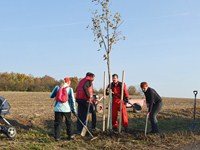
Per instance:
{"type": "Point", "coordinates": [195, 99]}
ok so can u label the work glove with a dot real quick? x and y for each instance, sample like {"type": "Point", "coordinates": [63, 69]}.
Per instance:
{"type": "Point", "coordinates": [91, 99]}
{"type": "Point", "coordinates": [125, 100]}
{"type": "Point", "coordinates": [74, 113]}
{"type": "Point", "coordinates": [107, 91]}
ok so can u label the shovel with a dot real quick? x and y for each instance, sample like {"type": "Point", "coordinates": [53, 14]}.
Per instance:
{"type": "Point", "coordinates": [145, 131]}
{"type": "Point", "coordinates": [136, 107]}
{"type": "Point", "coordinates": [194, 125]}
{"type": "Point", "coordinates": [84, 126]}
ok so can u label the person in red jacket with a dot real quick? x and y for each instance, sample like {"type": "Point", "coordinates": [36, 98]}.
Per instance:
{"type": "Point", "coordinates": [84, 96]}
{"type": "Point", "coordinates": [116, 87]}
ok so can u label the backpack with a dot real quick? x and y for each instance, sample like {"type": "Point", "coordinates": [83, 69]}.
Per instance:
{"type": "Point", "coordinates": [62, 95]}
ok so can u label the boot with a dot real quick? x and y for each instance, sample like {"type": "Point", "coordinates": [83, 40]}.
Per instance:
{"type": "Point", "coordinates": [115, 129]}
{"type": "Point", "coordinates": [70, 137]}
{"type": "Point", "coordinates": [126, 129]}
{"type": "Point", "coordinates": [155, 128]}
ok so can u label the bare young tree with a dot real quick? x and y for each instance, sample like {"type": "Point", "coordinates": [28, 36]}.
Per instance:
{"type": "Point", "coordinates": [106, 32]}
{"type": "Point", "coordinates": [106, 29]}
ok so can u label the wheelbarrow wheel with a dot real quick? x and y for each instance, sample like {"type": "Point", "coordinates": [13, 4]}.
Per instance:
{"type": "Point", "coordinates": [99, 108]}
{"type": "Point", "coordinates": [11, 132]}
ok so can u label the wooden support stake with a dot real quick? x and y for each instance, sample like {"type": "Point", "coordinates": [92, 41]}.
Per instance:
{"type": "Point", "coordinates": [122, 96]}
{"type": "Point", "coordinates": [104, 99]}
{"type": "Point", "coordinates": [108, 116]}
{"type": "Point", "coordinates": [110, 103]}
{"type": "Point", "coordinates": [109, 122]}
{"type": "Point", "coordinates": [110, 109]}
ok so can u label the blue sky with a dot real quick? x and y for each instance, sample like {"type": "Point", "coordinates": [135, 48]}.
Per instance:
{"type": "Point", "coordinates": [48, 37]}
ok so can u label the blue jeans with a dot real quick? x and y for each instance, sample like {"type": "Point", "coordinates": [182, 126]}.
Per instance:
{"type": "Point", "coordinates": [154, 112]}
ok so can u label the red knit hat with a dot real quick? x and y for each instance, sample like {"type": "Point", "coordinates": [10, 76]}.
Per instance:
{"type": "Point", "coordinates": [67, 80]}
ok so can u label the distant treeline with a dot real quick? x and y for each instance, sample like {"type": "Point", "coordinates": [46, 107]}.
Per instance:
{"type": "Point", "coordinates": [29, 83]}
{"type": "Point", "coordinates": [23, 82]}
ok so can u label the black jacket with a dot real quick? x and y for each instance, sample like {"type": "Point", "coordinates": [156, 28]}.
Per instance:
{"type": "Point", "coordinates": [152, 97]}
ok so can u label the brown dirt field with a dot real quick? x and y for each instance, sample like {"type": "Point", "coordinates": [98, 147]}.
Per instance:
{"type": "Point", "coordinates": [32, 115]}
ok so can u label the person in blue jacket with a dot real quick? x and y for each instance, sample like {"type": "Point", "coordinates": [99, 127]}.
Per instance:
{"type": "Point", "coordinates": [64, 110]}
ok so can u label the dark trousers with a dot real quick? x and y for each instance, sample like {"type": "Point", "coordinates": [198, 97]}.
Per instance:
{"type": "Point", "coordinates": [82, 113]}
{"type": "Point", "coordinates": [58, 122]}
{"type": "Point", "coordinates": [94, 116]}
{"type": "Point", "coordinates": [154, 112]}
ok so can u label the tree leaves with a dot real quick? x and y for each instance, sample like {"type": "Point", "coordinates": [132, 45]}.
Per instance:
{"type": "Point", "coordinates": [105, 29]}
{"type": "Point", "coordinates": [22, 82]}
{"type": "Point", "coordinates": [105, 25]}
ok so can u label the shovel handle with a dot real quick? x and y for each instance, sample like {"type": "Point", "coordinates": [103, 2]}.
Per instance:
{"type": "Point", "coordinates": [145, 130]}
{"type": "Point", "coordinates": [195, 92]}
